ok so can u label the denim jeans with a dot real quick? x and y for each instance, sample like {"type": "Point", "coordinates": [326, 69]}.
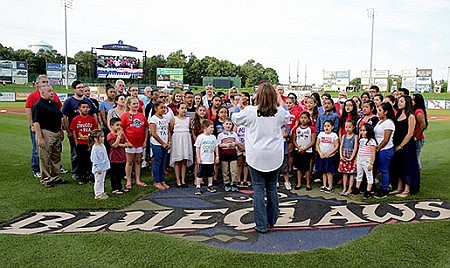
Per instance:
{"type": "Point", "coordinates": [419, 146]}
{"type": "Point", "coordinates": [34, 153]}
{"type": "Point", "coordinates": [73, 156]}
{"type": "Point", "coordinates": [384, 162]}
{"type": "Point", "coordinates": [264, 183]}
{"type": "Point", "coordinates": [159, 162]}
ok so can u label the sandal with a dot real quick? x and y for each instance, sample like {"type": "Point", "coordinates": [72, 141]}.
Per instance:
{"type": "Point", "coordinates": [118, 192]}
{"type": "Point", "coordinates": [128, 186]}
{"type": "Point", "coordinates": [395, 192]}
{"type": "Point", "coordinates": [142, 184]}
{"type": "Point", "coordinates": [165, 185]}
{"type": "Point", "coordinates": [159, 186]}
{"type": "Point", "coordinates": [402, 195]}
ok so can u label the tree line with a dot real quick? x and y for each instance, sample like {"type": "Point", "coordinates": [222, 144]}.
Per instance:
{"type": "Point", "coordinates": [194, 68]}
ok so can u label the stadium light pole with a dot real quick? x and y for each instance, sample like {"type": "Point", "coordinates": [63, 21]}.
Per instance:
{"type": "Point", "coordinates": [448, 78]}
{"type": "Point", "coordinates": [67, 4]}
{"type": "Point", "coordinates": [371, 14]}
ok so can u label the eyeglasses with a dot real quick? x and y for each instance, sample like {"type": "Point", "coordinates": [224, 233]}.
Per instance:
{"type": "Point", "coordinates": [132, 90]}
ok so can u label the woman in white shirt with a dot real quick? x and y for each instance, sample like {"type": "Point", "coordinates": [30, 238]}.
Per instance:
{"type": "Point", "coordinates": [384, 133]}
{"type": "Point", "coordinates": [264, 151]}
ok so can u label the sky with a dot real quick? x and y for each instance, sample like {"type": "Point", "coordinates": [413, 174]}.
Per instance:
{"type": "Point", "coordinates": [313, 35]}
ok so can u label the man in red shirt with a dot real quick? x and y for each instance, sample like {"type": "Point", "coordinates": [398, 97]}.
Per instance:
{"type": "Point", "coordinates": [31, 100]}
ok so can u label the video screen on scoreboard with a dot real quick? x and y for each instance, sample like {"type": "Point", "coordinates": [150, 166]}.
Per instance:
{"type": "Point", "coordinates": [118, 64]}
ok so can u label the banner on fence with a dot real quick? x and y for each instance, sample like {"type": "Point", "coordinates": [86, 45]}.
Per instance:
{"type": "Point", "coordinates": [7, 96]}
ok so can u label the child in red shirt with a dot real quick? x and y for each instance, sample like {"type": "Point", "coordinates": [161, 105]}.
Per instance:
{"type": "Point", "coordinates": [135, 126]}
{"type": "Point", "coordinates": [116, 138]}
{"type": "Point", "coordinates": [292, 125]}
{"type": "Point", "coordinates": [81, 126]}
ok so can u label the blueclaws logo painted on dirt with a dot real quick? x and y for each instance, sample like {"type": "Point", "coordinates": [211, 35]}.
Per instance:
{"type": "Point", "coordinates": [226, 219]}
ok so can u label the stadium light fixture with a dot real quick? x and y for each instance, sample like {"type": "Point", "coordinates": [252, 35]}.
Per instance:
{"type": "Point", "coordinates": [66, 4]}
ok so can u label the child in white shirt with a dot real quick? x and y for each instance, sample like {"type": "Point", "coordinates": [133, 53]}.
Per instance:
{"type": "Point", "coordinates": [207, 155]}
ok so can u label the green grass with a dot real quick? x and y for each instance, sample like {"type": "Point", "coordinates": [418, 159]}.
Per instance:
{"type": "Point", "coordinates": [21, 192]}
{"type": "Point", "coordinates": [425, 244]}
{"type": "Point", "coordinates": [400, 245]}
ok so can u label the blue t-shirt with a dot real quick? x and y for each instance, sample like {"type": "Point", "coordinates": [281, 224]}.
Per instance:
{"type": "Point", "coordinates": [106, 106]}
{"type": "Point", "coordinates": [70, 108]}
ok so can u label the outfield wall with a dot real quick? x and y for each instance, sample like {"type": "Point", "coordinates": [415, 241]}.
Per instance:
{"type": "Point", "coordinates": [22, 96]}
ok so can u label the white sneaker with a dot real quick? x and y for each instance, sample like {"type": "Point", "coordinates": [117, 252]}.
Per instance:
{"type": "Point", "coordinates": [288, 186]}
{"type": "Point", "coordinates": [37, 174]}
{"type": "Point", "coordinates": [144, 164]}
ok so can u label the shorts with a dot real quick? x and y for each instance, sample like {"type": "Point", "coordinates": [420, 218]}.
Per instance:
{"type": "Point", "coordinates": [242, 161]}
{"type": "Point", "coordinates": [134, 150]}
{"type": "Point", "coordinates": [205, 171]}
{"type": "Point", "coordinates": [302, 161]}
{"type": "Point", "coordinates": [285, 166]}
{"type": "Point", "coordinates": [325, 165]}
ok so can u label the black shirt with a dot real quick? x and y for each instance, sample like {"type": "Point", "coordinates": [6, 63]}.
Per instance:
{"type": "Point", "coordinates": [192, 109]}
{"type": "Point", "coordinates": [148, 109]}
{"type": "Point", "coordinates": [47, 114]}
{"type": "Point", "coordinates": [95, 102]}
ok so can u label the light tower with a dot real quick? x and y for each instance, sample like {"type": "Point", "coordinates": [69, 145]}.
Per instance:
{"type": "Point", "coordinates": [66, 4]}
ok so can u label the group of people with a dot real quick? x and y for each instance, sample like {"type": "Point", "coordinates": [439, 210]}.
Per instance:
{"type": "Point", "coordinates": [264, 135]}
{"type": "Point", "coordinates": [359, 138]}
{"type": "Point", "coordinates": [167, 130]}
